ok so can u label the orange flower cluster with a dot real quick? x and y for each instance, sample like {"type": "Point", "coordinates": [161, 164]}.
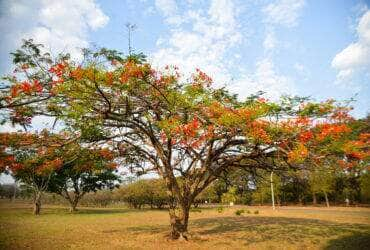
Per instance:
{"type": "Point", "coordinates": [77, 73]}
{"type": "Point", "coordinates": [258, 131]}
{"type": "Point", "coordinates": [58, 69]}
{"type": "Point", "coordinates": [299, 154]}
{"type": "Point", "coordinates": [106, 154]}
{"type": "Point", "coordinates": [190, 134]}
{"type": "Point", "coordinates": [133, 70]}
{"type": "Point", "coordinates": [190, 129]}
{"type": "Point", "coordinates": [365, 137]}
{"type": "Point", "coordinates": [357, 149]}
{"type": "Point", "coordinates": [214, 110]}
{"type": "Point", "coordinates": [26, 87]}
{"type": "Point", "coordinates": [302, 121]}
{"type": "Point", "coordinates": [109, 78]}
{"type": "Point", "coordinates": [305, 136]}
{"type": "Point", "coordinates": [5, 160]}
{"type": "Point", "coordinates": [49, 166]}
{"type": "Point", "coordinates": [334, 131]}
{"type": "Point", "coordinates": [15, 167]}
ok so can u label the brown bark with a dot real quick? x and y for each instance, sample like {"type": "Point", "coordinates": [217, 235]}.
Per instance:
{"type": "Point", "coordinates": [278, 200]}
{"type": "Point", "coordinates": [314, 199]}
{"type": "Point", "coordinates": [179, 222]}
{"type": "Point", "coordinates": [73, 206]}
{"type": "Point", "coordinates": [37, 204]}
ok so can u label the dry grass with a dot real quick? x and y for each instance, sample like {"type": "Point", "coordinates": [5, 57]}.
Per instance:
{"type": "Point", "coordinates": [120, 228]}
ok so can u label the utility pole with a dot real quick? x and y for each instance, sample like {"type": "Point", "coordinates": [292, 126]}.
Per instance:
{"type": "Point", "coordinates": [130, 28]}
{"type": "Point", "coordinates": [272, 190]}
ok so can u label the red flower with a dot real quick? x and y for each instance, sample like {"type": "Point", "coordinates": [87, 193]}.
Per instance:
{"type": "Point", "coordinates": [26, 87]}
{"type": "Point", "coordinates": [305, 136]}
{"type": "Point", "coordinates": [37, 86]}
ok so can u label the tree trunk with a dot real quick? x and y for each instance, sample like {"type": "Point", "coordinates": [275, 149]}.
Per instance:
{"type": "Point", "coordinates": [300, 200]}
{"type": "Point", "coordinates": [15, 192]}
{"type": "Point", "coordinates": [278, 200]}
{"type": "Point", "coordinates": [326, 199]}
{"type": "Point", "coordinates": [314, 199]}
{"type": "Point", "coordinates": [73, 206]}
{"type": "Point", "coordinates": [179, 222]}
{"type": "Point", "coordinates": [37, 204]}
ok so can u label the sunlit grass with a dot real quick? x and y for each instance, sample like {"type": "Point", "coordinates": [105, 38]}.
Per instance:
{"type": "Point", "coordinates": [122, 228]}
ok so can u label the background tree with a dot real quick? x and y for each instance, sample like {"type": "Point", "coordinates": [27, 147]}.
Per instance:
{"type": "Point", "coordinates": [86, 170]}
{"type": "Point", "coordinates": [230, 196]}
{"type": "Point", "coordinates": [32, 159]}
{"type": "Point", "coordinates": [321, 179]}
{"type": "Point", "coordinates": [9, 191]}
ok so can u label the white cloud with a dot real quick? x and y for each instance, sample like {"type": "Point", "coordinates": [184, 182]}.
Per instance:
{"type": "Point", "coordinates": [207, 44]}
{"type": "Point", "coordinates": [302, 71]}
{"type": "Point", "coordinates": [281, 13]}
{"type": "Point", "coordinates": [204, 45]}
{"type": "Point", "coordinates": [60, 25]}
{"type": "Point", "coordinates": [356, 56]}
{"type": "Point", "coordinates": [284, 12]}
{"type": "Point", "coordinates": [169, 9]}
{"type": "Point", "coordinates": [265, 78]}
{"type": "Point", "coordinates": [270, 41]}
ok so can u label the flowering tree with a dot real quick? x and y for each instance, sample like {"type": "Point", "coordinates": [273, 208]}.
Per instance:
{"type": "Point", "coordinates": [31, 159]}
{"type": "Point", "coordinates": [185, 131]}
{"type": "Point", "coordinates": [91, 170]}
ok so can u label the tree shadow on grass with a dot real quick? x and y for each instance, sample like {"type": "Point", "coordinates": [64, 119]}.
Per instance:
{"type": "Point", "coordinates": [281, 229]}
{"type": "Point", "coordinates": [109, 211]}
{"type": "Point", "coordinates": [150, 229]}
{"type": "Point", "coordinates": [88, 211]}
{"type": "Point", "coordinates": [353, 241]}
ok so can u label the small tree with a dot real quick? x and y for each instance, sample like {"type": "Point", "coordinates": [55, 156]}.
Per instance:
{"type": "Point", "coordinates": [85, 170]}
{"type": "Point", "coordinates": [229, 197]}
{"type": "Point", "coordinates": [32, 159]}
{"type": "Point", "coordinates": [365, 187]}
{"type": "Point", "coordinates": [321, 179]}
{"type": "Point", "coordinates": [207, 195]}
{"type": "Point", "coordinates": [136, 194]}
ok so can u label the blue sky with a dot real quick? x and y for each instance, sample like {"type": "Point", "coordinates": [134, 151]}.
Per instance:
{"type": "Point", "coordinates": [311, 48]}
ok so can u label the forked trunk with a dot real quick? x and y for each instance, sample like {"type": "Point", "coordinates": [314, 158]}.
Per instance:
{"type": "Point", "coordinates": [179, 222]}
{"type": "Point", "coordinates": [73, 207]}
{"type": "Point", "coordinates": [37, 204]}
{"type": "Point", "coordinates": [73, 204]}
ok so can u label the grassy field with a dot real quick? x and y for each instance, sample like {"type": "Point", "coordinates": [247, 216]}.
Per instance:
{"type": "Point", "coordinates": [120, 228]}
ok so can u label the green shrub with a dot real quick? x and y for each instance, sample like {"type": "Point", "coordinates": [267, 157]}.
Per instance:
{"type": "Point", "coordinates": [239, 212]}
{"type": "Point", "coordinates": [220, 209]}
{"type": "Point", "coordinates": [256, 212]}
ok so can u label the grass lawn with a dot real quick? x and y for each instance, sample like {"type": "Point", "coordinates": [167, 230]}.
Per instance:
{"type": "Point", "coordinates": [120, 228]}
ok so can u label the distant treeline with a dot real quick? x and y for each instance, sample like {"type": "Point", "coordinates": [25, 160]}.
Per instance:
{"type": "Point", "coordinates": [334, 187]}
